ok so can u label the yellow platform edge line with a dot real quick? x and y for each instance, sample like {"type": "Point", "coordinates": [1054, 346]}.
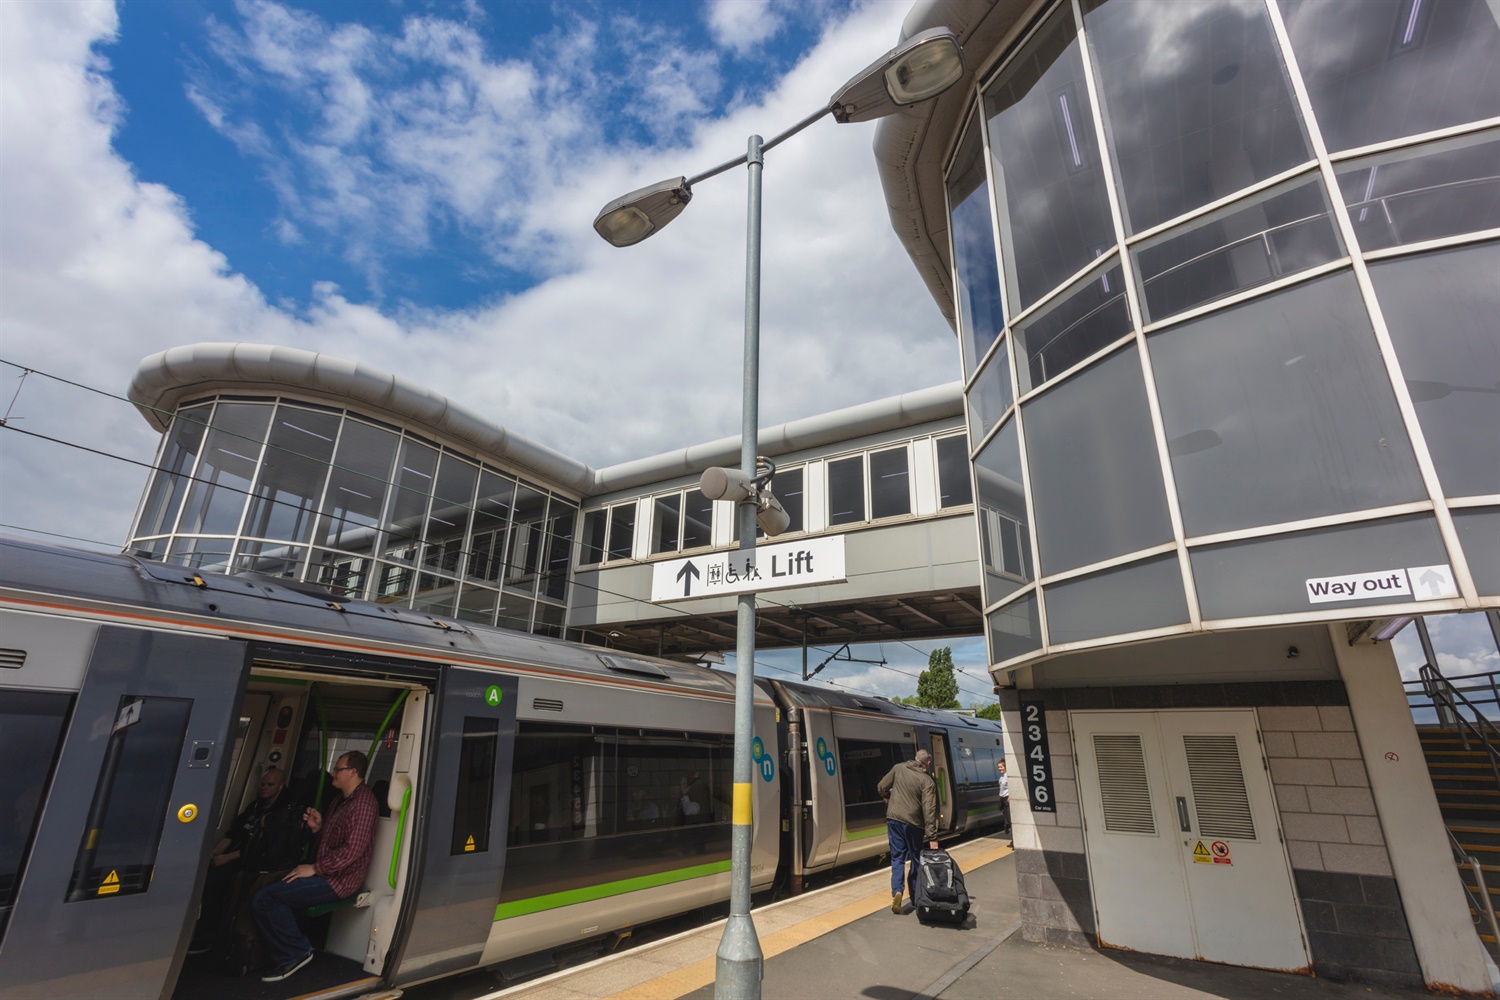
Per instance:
{"type": "Point", "coordinates": [701, 973]}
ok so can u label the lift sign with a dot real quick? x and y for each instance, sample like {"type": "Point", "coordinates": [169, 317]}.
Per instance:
{"type": "Point", "coordinates": [1038, 758]}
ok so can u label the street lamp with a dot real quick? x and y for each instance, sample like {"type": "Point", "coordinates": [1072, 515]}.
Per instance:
{"type": "Point", "coordinates": [917, 70]}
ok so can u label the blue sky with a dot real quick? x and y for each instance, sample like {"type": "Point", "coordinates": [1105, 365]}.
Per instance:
{"type": "Point", "coordinates": [412, 185]}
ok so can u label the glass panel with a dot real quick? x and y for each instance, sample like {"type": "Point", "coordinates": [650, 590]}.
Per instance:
{"type": "Point", "coordinates": [621, 530]}
{"type": "Point", "coordinates": [476, 786]}
{"type": "Point", "coordinates": [1437, 190]}
{"type": "Point", "coordinates": [698, 514]}
{"type": "Point", "coordinates": [271, 559]}
{"type": "Point", "coordinates": [1479, 534]}
{"type": "Point", "coordinates": [592, 550]}
{"type": "Point", "coordinates": [890, 483]}
{"type": "Point", "coordinates": [452, 509]}
{"type": "Point", "coordinates": [292, 472]}
{"type": "Point", "coordinates": [980, 312]}
{"type": "Point", "coordinates": [666, 518]}
{"type": "Point", "coordinates": [527, 549]}
{"type": "Point", "coordinates": [549, 619]}
{"type": "Point", "coordinates": [492, 517]}
{"type": "Point", "coordinates": [1117, 601]}
{"type": "Point", "coordinates": [1196, 101]}
{"type": "Point", "coordinates": [1382, 69]}
{"type": "Point", "coordinates": [1004, 529]}
{"type": "Point", "coordinates": [559, 550]}
{"type": "Point", "coordinates": [514, 612]}
{"type": "Point", "coordinates": [208, 555]}
{"type": "Point", "coordinates": [217, 496]}
{"type": "Point", "coordinates": [1054, 214]}
{"type": "Point", "coordinates": [1015, 630]}
{"type": "Point", "coordinates": [437, 596]}
{"type": "Point", "coordinates": [991, 395]}
{"type": "Point", "coordinates": [477, 604]}
{"type": "Point", "coordinates": [356, 487]}
{"type": "Point", "coordinates": [1440, 310]}
{"type": "Point", "coordinates": [31, 728]}
{"type": "Point", "coordinates": [1280, 409]}
{"type": "Point", "coordinates": [1268, 576]}
{"type": "Point", "coordinates": [393, 584]}
{"type": "Point", "coordinates": [159, 513]}
{"type": "Point", "coordinates": [407, 507]}
{"type": "Point", "coordinates": [1097, 485]}
{"type": "Point", "coordinates": [863, 763]}
{"type": "Point", "coordinates": [340, 572]}
{"type": "Point", "coordinates": [1278, 232]}
{"type": "Point", "coordinates": [789, 490]}
{"type": "Point", "coordinates": [1081, 322]}
{"type": "Point", "coordinates": [118, 844]}
{"type": "Point", "coordinates": [954, 487]}
{"type": "Point", "coordinates": [846, 490]}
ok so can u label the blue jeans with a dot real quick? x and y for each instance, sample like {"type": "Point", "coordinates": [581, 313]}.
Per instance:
{"type": "Point", "coordinates": [275, 909]}
{"type": "Point", "coordinates": [906, 845]}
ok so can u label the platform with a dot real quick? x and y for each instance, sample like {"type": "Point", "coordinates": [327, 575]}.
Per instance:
{"type": "Point", "coordinates": [843, 942]}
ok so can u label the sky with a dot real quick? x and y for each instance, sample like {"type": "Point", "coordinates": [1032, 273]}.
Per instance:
{"type": "Point", "coordinates": [412, 183]}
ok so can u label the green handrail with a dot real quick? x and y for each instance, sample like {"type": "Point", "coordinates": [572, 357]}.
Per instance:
{"type": "Point", "coordinates": [400, 833]}
{"type": "Point", "coordinates": [317, 802]}
{"type": "Point", "coordinates": [387, 720]}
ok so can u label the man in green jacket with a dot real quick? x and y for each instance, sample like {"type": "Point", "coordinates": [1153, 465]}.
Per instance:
{"type": "Point", "coordinates": [910, 817]}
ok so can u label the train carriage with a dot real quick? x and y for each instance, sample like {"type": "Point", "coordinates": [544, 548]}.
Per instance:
{"type": "Point", "coordinates": [535, 793]}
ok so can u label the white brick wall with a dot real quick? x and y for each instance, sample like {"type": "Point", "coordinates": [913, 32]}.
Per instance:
{"type": "Point", "coordinates": [1057, 831]}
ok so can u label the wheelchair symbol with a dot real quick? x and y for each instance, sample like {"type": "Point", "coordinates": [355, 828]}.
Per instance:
{"type": "Point", "coordinates": [766, 761]}
{"type": "Point", "coordinates": [826, 757]}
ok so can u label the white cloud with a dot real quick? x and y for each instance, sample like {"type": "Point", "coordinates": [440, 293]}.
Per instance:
{"type": "Point", "coordinates": [742, 25]}
{"type": "Point", "coordinates": [619, 354]}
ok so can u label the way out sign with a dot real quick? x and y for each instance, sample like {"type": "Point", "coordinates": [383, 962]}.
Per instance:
{"type": "Point", "coordinates": [806, 563]}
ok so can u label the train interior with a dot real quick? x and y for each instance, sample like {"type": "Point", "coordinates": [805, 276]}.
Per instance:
{"type": "Point", "coordinates": [301, 723]}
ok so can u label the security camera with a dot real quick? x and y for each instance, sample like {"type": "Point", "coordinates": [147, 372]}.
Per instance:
{"type": "Point", "coordinates": [771, 516]}
{"type": "Point", "coordinates": [731, 485]}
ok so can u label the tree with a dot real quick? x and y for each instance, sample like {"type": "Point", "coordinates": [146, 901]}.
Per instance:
{"type": "Point", "coordinates": [990, 711]}
{"type": "Point", "coordinates": [937, 687]}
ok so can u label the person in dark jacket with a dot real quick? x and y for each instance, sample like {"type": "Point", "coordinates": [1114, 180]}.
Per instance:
{"type": "Point", "coordinates": [910, 817]}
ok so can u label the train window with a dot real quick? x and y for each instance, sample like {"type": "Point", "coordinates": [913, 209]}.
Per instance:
{"type": "Point", "coordinates": [864, 763]}
{"type": "Point", "coordinates": [117, 848]}
{"type": "Point", "coordinates": [31, 726]}
{"type": "Point", "coordinates": [476, 786]}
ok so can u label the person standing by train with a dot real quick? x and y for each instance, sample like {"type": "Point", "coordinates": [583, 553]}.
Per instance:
{"type": "Point", "coordinates": [346, 839]}
{"type": "Point", "coordinates": [910, 817]}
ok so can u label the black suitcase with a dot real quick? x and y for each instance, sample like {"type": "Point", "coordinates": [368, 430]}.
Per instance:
{"type": "Point", "coordinates": [938, 893]}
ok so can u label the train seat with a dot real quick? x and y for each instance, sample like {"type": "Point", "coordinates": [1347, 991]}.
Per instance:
{"type": "Point", "coordinates": [349, 933]}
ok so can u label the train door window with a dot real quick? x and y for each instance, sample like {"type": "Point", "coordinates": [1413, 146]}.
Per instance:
{"type": "Point", "coordinates": [31, 727]}
{"type": "Point", "coordinates": [476, 786]}
{"type": "Point", "coordinates": [863, 763]}
{"type": "Point", "coordinates": [117, 848]}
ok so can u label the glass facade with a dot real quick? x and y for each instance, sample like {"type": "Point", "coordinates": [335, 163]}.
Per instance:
{"type": "Point", "coordinates": [305, 492]}
{"type": "Point", "coordinates": [1238, 323]}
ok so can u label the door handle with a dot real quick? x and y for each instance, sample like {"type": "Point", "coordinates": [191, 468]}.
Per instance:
{"type": "Point", "coordinates": [1182, 815]}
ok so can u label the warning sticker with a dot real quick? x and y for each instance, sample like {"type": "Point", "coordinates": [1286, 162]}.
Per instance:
{"type": "Point", "coordinates": [469, 846]}
{"type": "Point", "coordinates": [1221, 853]}
{"type": "Point", "coordinates": [110, 884]}
{"type": "Point", "coordinates": [1200, 854]}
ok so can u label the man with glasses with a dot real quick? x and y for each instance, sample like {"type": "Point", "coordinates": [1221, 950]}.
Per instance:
{"type": "Point", "coordinates": [346, 839]}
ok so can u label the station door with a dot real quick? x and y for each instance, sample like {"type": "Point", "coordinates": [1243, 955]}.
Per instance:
{"type": "Point", "coordinates": [1182, 836]}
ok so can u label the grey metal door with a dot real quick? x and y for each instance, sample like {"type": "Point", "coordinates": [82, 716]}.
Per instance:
{"type": "Point", "coordinates": [465, 815]}
{"type": "Point", "coordinates": [110, 894]}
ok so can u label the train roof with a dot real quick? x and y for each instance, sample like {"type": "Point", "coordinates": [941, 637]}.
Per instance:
{"type": "Point", "coordinates": [818, 697]}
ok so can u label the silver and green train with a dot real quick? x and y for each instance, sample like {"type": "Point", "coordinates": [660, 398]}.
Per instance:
{"type": "Point", "coordinates": [535, 794]}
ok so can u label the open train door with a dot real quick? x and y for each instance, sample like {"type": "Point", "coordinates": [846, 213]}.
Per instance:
{"type": "Point", "coordinates": [462, 851]}
{"type": "Point", "coordinates": [110, 894]}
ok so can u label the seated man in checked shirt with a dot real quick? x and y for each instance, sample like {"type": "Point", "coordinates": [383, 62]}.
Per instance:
{"type": "Point", "coordinates": [346, 839]}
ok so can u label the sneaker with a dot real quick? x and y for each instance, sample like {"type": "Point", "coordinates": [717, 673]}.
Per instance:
{"type": "Point", "coordinates": [200, 948]}
{"type": "Point", "coordinates": [895, 902]}
{"type": "Point", "coordinates": [281, 972]}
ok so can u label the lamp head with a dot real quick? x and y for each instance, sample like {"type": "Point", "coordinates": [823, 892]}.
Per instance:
{"type": "Point", "coordinates": [629, 219]}
{"type": "Point", "coordinates": [917, 70]}
{"type": "Point", "coordinates": [730, 485]}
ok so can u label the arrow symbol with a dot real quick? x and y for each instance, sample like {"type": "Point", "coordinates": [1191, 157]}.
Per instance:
{"type": "Point", "coordinates": [1432, 582]}
{"type": "Point", "coordinates": [690, 572]}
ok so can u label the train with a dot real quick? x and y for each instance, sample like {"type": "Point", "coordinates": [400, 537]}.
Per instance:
{"type": "Point", "coordinates": [536, 794]}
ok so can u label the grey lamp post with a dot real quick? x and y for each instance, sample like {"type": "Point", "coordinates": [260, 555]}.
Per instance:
{"type": "Point", "coordinates": [917, 70]}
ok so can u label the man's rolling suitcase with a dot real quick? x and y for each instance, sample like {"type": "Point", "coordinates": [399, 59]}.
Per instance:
{"type": "Point", "coordinates": [938, 893]}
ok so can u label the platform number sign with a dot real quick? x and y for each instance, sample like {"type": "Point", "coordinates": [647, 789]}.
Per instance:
{"type": "Point", "coordinates": [1038, 759]}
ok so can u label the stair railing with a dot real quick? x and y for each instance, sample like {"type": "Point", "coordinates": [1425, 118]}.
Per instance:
{"type": "Point", "coordinates": [1479, 892]}
{"type": "Point", "coordinates": [1448, 699]}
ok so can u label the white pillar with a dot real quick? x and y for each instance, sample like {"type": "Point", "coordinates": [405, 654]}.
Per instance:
{"type": "Point", "coordinates": [1437, 910]}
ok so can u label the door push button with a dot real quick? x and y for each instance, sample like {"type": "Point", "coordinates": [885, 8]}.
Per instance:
{"type": "Point", "coordinates": [202, 754]}
{"type": "Point", "coordinates": [1182, 815]}
{"type": "Point", "coordinates": [187, 813]}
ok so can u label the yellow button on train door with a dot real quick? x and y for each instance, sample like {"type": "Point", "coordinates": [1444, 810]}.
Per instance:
{"type": "Point", "coordinates": [187, 813]}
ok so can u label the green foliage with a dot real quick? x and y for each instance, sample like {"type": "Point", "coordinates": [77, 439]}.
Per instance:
{"type": "Point", "coordinates": [937, 687]}
{"type": "Point", "coordinates": [910, 699]}
{"type": "Point", "coordinates": [990, 711]}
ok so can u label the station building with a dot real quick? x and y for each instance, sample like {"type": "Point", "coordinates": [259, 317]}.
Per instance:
{"type": "Point", "coordinates": [1223, 275]}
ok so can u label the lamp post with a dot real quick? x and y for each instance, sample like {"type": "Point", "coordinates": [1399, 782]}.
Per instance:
{"type": "Point", "coordinates": [917, 70]}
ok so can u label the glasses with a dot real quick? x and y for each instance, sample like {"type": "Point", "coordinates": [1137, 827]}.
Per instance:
{"type": "Point", "coordinates": [338, 769]}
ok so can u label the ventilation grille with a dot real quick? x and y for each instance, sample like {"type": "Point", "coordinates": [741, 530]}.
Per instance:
{"type": "Point", "coordinates": [12, 659]}
{"type": "Point", "coordinates": [1122, 783]}
{"type": "Point", "coordinates": [1219, 797]}
{"type": "Point", "coordinates": [546, 705]}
